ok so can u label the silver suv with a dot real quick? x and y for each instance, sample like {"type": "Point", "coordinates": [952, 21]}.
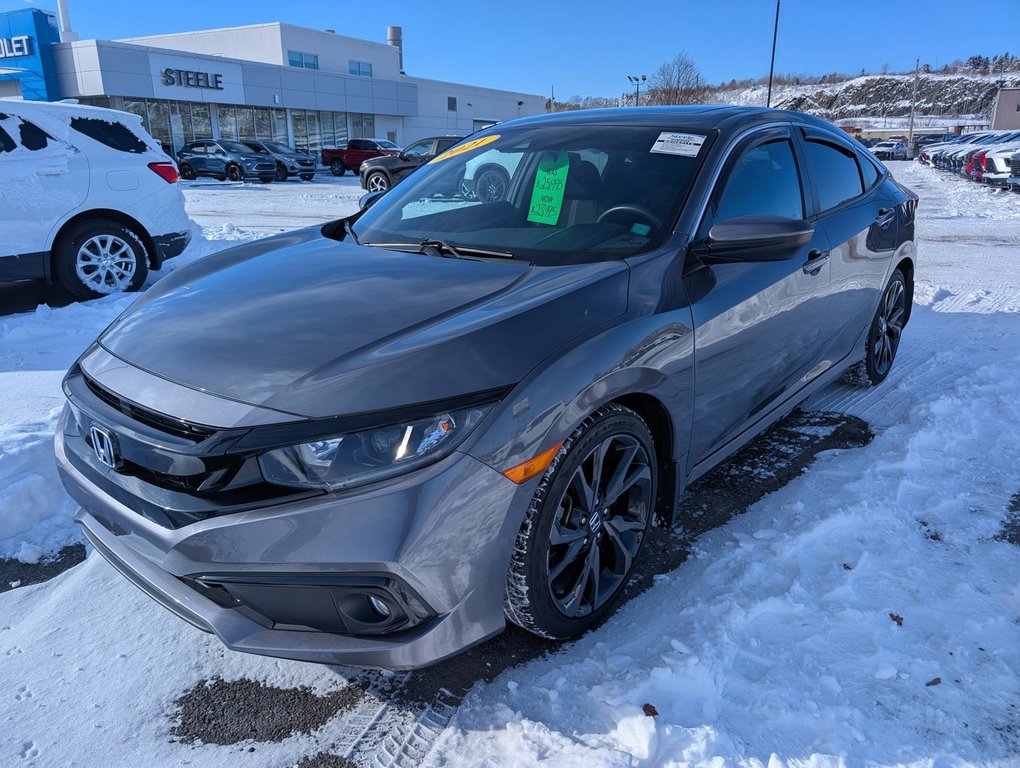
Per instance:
{"type": "Point", "coordinates": [289, 162]}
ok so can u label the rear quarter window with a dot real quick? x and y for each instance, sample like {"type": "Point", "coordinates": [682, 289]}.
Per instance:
{"type": "Point", "coordinates": [111, 134]}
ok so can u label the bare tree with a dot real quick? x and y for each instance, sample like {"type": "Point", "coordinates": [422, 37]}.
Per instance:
{"type": "Point", "coordinates": [677, 81]}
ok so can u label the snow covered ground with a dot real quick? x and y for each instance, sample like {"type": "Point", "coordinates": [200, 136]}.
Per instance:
{"type": "Point", "coordinates": [868, 613]}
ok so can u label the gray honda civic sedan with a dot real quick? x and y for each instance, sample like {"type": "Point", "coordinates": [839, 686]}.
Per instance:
{"type": "Point", "coordinates": [375, 441]}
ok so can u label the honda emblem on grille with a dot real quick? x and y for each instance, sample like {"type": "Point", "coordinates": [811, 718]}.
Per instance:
{"type": "Point", "coordinates": [102, 444]}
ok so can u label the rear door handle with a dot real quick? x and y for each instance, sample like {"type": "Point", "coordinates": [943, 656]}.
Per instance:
{"type": "Point", "coordinates": [885, 217]}
{"type": "Point", "coordinates": [816, 260]}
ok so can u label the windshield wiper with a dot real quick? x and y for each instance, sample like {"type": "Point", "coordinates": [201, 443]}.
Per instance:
{"type": "Point", "coordinates": [350, 232]}
{"type": "Point", "coordinates": [439, 246]}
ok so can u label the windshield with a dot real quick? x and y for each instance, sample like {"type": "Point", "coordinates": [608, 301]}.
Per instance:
{"type": "Point", "coordinates": [235, 146]}
{"type": "Point", "coordinates": [383, 144]}
{"type": "Point", "coordinates": [548, 195]}
{"type": "Point", "coordinates": [255, 147]}
{"type": "Point", "coordinates": [280, 149]}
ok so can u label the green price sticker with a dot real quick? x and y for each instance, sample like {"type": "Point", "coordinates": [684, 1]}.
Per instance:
{"type": "Point", "coordinates": [550, 184]}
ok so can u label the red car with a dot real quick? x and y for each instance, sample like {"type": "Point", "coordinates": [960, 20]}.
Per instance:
{"type": "Point", "coordinates": [351, 154]}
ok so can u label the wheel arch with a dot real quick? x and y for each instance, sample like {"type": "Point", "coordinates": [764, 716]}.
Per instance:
{"type": "Point", "coordinates": [151, 254]}
{"type": "Point", "coordinates": [906, 266]}
{"type": "Point", "coordinates": [656, 416]}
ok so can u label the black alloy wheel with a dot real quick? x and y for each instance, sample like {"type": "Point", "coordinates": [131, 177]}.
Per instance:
{"type": "Point", "coordinates": [281, 172]}
{"type": "Point", "coordinates": [585, 528]}
{"type": "Point", "coordinates": [337, 168]}
{"type": "Point", "coordinates": [187, 172]}
{"type": "Point", "coordinates": [491, 186]}
{"type": "Point", "coordinates": [234, 172]}
{"type": "Point", "coordinates": [886, 329]}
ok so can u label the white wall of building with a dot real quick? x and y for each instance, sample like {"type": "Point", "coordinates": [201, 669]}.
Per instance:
{"type": "Point", "coordinates": [475, 105]}
{"type": "Point", "coordinates": [257, 42]}
{"type": "Point", "coordinates": [335, 51]}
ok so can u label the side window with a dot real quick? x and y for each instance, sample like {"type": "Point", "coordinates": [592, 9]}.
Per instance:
{"type": "Point", "coordinates": [356, 144]}
{"type": "Point", "coordinates": [33, 137]}
{"type": "Point", "coordinates": [764, 182]}
{"type": "Point", "coordinates": [836, 173]}
{"type": "Point", "coordinates": [111, 134]}
{"type": "Point", "coordinates": [445, 144]}
{"type": "Point", "coordinates": [197, 148]}
{"type": "Point", "coordinates": [420, 149]}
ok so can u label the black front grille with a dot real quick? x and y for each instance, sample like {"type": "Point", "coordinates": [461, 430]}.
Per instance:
{"type": "Point", "coordinates": [153, 419]}
{"type": "Point", "coordinates": [1014, 165]}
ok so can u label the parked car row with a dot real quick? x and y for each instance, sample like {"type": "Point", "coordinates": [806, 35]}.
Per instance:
{"type": "Point", "coordinates": [992, 157]}
{"type": "Point", "coordinates": [230, 160]}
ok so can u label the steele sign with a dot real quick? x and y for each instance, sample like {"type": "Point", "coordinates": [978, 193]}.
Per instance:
{"type": "Point", "coordinates": [190, 79]}
{"type": "Point", "coordinates": [12, 47]}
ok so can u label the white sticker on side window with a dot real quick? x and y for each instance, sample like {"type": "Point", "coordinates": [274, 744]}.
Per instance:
{"type": "Point", "coordinates": [685, 144]}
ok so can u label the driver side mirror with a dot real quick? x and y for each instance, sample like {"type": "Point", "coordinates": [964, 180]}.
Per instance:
{"type": "Point", "coordinates": [754, 238]}
{"type": "Point", "coordinates": [367, 201]}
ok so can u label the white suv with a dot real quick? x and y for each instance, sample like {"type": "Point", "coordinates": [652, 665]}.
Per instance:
{"type": "Point", "coordinates": [87, 198]}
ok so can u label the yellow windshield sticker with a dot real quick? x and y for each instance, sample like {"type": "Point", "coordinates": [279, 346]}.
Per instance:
{"type": "Point", "coordinates": [460, 149]}
{"type": "Point", "coordinates": [550, 184]}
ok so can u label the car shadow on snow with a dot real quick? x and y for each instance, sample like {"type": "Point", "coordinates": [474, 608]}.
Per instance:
{"type": "Point", "coordinates": [28, 295]}
{"type": "Point", "coordinates": [408, 710]}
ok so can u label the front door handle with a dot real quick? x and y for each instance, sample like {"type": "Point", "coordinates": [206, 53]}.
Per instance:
{"type": "Point", "coordinates": [885, 217]}
{"type": "Point", "coordinates": [815, 261]}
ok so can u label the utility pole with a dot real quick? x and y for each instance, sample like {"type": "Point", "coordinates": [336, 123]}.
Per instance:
{"type": "Point", "coordinates": [552, 98]}
{"type": "Point", "coordinates": [913, 104]}
{"type": "Point", "coordinates": [772, 66]}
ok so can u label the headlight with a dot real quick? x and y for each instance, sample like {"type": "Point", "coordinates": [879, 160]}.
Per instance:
{"type": "Point", "coordinates": [356, 458]}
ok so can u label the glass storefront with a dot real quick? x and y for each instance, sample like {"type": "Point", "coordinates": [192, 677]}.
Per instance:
{"type": "Point", "coordinates": [175, 123]}
{"type": "Point", "coordinates": [362, 126]}
{"type": "Point", "coordinates": [315, 131]}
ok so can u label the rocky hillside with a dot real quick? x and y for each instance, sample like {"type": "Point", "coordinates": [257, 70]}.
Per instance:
{"type": "Point", "coordinates": [880, 95]}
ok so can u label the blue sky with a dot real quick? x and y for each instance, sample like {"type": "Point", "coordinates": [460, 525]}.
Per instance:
{"type": "Point", "coordinates": [588, 48]}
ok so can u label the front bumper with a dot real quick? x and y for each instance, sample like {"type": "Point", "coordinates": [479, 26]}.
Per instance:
{"type": "Point", "coordinates": [445, 533]}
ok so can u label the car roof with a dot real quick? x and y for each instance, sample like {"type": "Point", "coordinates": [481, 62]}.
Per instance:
{"type": "Point", "coordinates": [722, 117]}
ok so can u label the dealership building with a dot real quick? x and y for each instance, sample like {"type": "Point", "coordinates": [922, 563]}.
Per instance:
{"type": "Point", "coordinates": [310, 88]}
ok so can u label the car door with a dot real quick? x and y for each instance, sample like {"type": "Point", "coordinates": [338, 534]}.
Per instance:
{"type": "Point", "coordinates": [195, 155]}
{"type": "Point", "coordinates": [216, 159]}
{"type": "Point", "coordinates": [760, 326]}
{"type": "Point", "coordinates": [863, 223]}
{"type": "Point", "coordinates": [45, 178]}
{"type": "Point", "coordinates": [358, 151]}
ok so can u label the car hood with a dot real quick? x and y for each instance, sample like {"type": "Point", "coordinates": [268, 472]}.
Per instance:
{"type": "Point", "coordinates": [256, 158]}
{"type": "Point", "coordinates": [313, 327]}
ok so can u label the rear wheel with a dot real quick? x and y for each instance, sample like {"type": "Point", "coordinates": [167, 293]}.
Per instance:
{"type": "Point", "coordinates": [585, 527]}
{"type": "Point", "coordinates": [187, 172]}
{"type": "Point", "coordinates": [491, 186]}
{"type": "Point", "coordinates": [883, 335]}
{"type": "Point", "coordinates": [377, 182]}
{"type": "Point", "coordinates": [99, 257]}
{"type": "Point", "coordinates": [337, 168]}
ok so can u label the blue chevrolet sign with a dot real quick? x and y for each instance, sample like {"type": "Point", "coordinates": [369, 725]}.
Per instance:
{"type": "Point", "coordinates": [26, 54]}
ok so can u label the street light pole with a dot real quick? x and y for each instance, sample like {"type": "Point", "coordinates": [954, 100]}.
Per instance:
{"type": "Point", "coordinates": [772, 66]}
{"type": "Point", "coordinates": [636, 81]}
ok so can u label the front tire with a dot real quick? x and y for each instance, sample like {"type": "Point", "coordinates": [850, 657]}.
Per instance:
{"type": "Point", "coordinates": [281, 172]}
{"type": "Point", "coordinates": [99, 257]}
{"type": "Point", "coordinates": [377, 182]}
{"type": "Point", "coordinates": [234, 172]}
{"type": "Point", "coordinates": [583, 532]}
